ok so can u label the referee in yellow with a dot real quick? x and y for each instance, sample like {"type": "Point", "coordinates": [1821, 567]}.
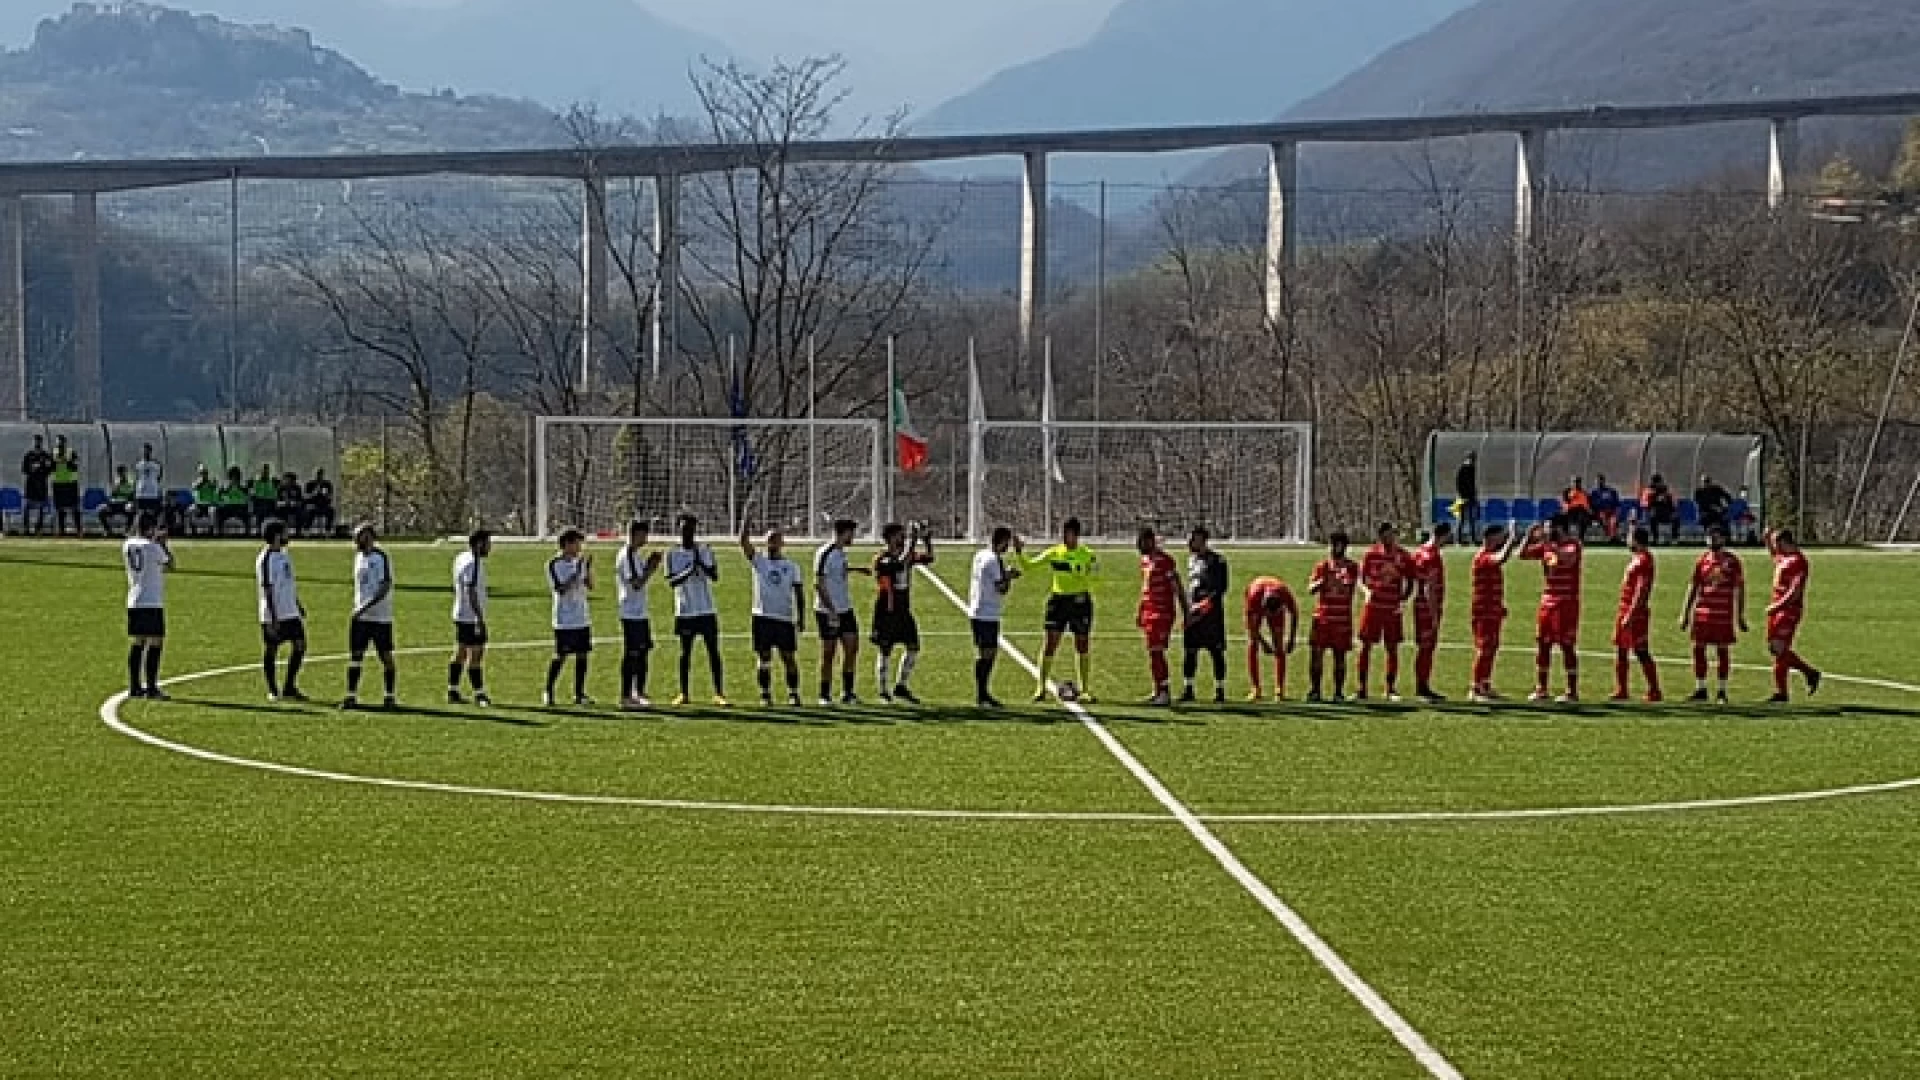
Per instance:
{"type": "Point", "coordinates": [1069, 604]}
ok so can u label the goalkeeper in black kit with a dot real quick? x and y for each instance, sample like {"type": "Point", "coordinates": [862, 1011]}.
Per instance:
{"type": "Point", "coordinates": [1207, 619]}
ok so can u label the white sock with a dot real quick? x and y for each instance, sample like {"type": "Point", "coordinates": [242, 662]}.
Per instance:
{"type": "Point", "coordinates": [907, 664]}
{"type": "Point", "coordinates": [881, 663]}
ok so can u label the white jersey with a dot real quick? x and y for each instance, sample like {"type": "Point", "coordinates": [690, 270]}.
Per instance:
{"type": "Point", "coordinates": [567, 580]}
{"type": "Point", "coordinates": [985, 601]}
{"type": "Point", "coordinates": [830, 574]}
{"type": "Point", "coordinates": [146, 563]}
{"type": "Point", "coordinates": [692, 588]}
{"type": "Point", "coordinates": [279, 596]}
{"type": "Point", "coordinates": [773, 584]}
{"type": "Point", "coordinates": [372, 575]}
{"type": "Point", "coordinates": [633, 577]}
{"type": "Point", "coordinates": [469, 589]}
{"type": "Point", "coordinates": [146, 479]}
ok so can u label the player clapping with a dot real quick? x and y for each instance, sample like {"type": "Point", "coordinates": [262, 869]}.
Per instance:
{"type": "Point", "coordinates": [1489, 608]}
{"type": "Point", "coordinates": [1429, 608]}
{"type": "Point", "coordinates": [637, 567]}
{"type": "Point", "coordinates": [778, 599]}
{"type": "Point", "coordinates": [1560, 553]}
{"type": "Point", "coordinates": [570, 581]}
{"type": "Point", "coordinates": [282, 618]}
{"type": "Point", "coordinates": [692, 572]}
{"type": "Point", "coordinates": [991, 580]}
{"type": "Point", "coordinates": [1716, 604]}
{"type": "Point", "coordinates": [1332, 586]}
{"type": "Point", "coordinates": [894, 624]}
{"type": "Point", "coordinates": [1162, 600]}
{"type": "Point", "coordinates": [1386, 573]}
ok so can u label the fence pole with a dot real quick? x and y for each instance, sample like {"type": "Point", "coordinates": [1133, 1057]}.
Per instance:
{"type": "Point", "coordinates": [386, 481]}
{"type": "Point", "coordinates": [1880, 421]}
{"type": "Point", "coordinates": [233, 299]}
{"type": "Point", "coordinates": [813, 439]}
{"type": "Point", "coordinates": [1099, 350]}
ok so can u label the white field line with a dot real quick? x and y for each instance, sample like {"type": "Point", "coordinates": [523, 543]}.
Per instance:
{"type": "Point", "coordinates": [1377, 1006]}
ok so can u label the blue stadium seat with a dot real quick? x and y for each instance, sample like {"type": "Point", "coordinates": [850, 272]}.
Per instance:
{"type": "Point", "coordinates": [1739, 510]}
{"type": "Point", "coordinates": [1525, 512]}
{"type": "Point", "coordinates": [1442, 510]}
{"type": "Point", "coordinates": [1629, 511]}
{"type": "Point", "coordinates": [13, 503]}
{"type": "Point", "coordinates": [1495, 511]}
{"type": "Point", "coordinates": [1689, 516]}
{"type": "Point", "coordinates": [1548, 508]}
{"type": "Point", "coordinates": [182, 498]}
{"type": "Point", "coordinates": [93, 500]}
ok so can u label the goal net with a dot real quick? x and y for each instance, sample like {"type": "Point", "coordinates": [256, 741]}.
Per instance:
{"type": "Point", "coordinates": [1245, 482]}
{"type": "Point", "coordinates": [597, 473]}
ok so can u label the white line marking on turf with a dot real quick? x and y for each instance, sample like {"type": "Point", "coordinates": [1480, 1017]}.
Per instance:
{"type": "Point", "coordinates": [1377, 1006]}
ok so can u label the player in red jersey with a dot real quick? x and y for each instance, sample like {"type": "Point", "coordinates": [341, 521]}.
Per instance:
{"type": "Point", "coordinates": [1163, 600]}
{"type": "Point", "coordinates": [1331, 586]}
{"type": "Point", "coordinates": [1271, 609]}
{"type": "Point", "coordinates": [1633, 627]}
{"type": "Point", "coordinates": [1716, 602]}
{"type": "Point", "coordinates": [1789, 604]}
{"type": "Point", "coordinates": [1560, 553]}
{"type": "Point", "coordinates": [1386, 572]}
{"type": "Point", "coordinates": [1489, 608]}
{"type": "Point", "coordinates": [1429, 608]}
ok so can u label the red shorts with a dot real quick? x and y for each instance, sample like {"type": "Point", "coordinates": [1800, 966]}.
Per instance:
{"type": "Point", "coordinates": [1486, 632]}
{"type": "Point", "coordinates": [1634, 632]}
{"type": "Point", "coordinates": [1337, 636]}
{"type": "Point", "coordinates": [1158, 628]}
{"type": "Point", "coordinates": [1714, 632]}
{"type": "Point", "coordinates": [1558, 625]}
{"type": "Point", "coordinates": [1426, 629]}
{"type": "Point", "coordinates": [1380, 626]}
{"type": "Point", "coordinates": [1783, 627]}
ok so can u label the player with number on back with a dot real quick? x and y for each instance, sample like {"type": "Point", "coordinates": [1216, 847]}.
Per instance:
{"type": "Point", "coordinates": [1386, 573]}
{"type": "Point", "coordinates": [371, 626]}
{"type": "Point", "coordinates": [1489, 608]}
{"type": "Point", "coordinates": [778, 600]}
{"type": "Point", "coordinates": [1560, 555]}
{"type": "Point", "coordinates": [1162, 600]}
{"type": "Point", "coordinates": [1332, 585]}
{"type": "Point", "coordinates": [833, 614]}
{"type": "Point", "coordinates": [1716, 604]}
{"type": "Point", "coordinates": [282, 618]}
{"type": "Point", "coordinates": [570, 582]}
{"type": "Point", "coordinates": [1784, 612]}
{"type": "Point", "coordinates": [470, 619]}
{"type": "Point", "coordinates": [1206, 631]}
{"type": "Point", "coordinates": [894, 624]}
{"type": "Point", "coordinates": [692, 572]}
{"type": "Point", "coordinates": [1273, 621]}
{"type": "Point", "coordinates": [1633, 627]}
{"type": "Point", "coordinates": [148, 559]}
{"type": "Point", "coordinates": [991, 580]}
{"type": "Point", "coordinates": [637, 567]}
{"type": "Point", "coordinates": [1075, 569]}
{"type": "Point", "coordinates": [1429, 608]}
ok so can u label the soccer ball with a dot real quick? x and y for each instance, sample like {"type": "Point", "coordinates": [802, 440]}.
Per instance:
{"type": "Point", "coordinates": [1068, 691]}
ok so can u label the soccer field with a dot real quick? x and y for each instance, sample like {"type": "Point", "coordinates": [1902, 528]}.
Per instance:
{"type": "Point", "coordinates": [915, 892]}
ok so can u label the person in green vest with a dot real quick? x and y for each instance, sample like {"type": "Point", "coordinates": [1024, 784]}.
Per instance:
{"type": "Point", "coordinates": [206, 500]}
{"type": "Point", "coordinates": [119, 504]}
{"type": "Point", "coordinates": [66, 488]}
{"type": "Point", "coordinates": [233, 501]}
{"type": "Point", "coordinates": [265, 497]}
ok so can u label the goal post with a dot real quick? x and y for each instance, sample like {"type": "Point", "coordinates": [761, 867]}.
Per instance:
{"type": "Point", "coordinates": [597, 473]}
{"type": "Point", "coordinates": [1246, 482]}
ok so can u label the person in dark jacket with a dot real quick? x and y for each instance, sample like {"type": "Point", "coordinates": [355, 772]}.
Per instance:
{"type": "Point", "coordinates": [1466, 487]}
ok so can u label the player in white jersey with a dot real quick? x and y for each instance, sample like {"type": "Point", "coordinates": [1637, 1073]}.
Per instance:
{"type": "Point", "coordinates": [372, 624]}
{"type": "Point", "coordinates": [282, 618]}
{"type": "Point", "coordinates": [148, 496]}
{"type": "Point", "coordinates": [147, 559]}
{"type": "Point", "coordinates": [778, 600]}
{"type": "Point", "coordinates": [636, 569]}
{"type": "Point", "coordinates": [692, 571]}
{"type": "Point", "coordinates": [570, 580]}
{"type": "Point", "coordinates": [470, 620]}
{"type": "Point", "coordinates": [833, 613]}
{"type": "Point", "coordinates": [986, 598]}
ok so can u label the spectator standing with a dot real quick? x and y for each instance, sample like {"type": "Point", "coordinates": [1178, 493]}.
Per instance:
{"type": "Point", "coordinates": [66, 488]}
{"type": "Point", "coordinates": [1662, 511]}
{"type": "Point", "coordinates": [1716, 505]}
{"type": "Point", "coordinates": [320, 502]}
{"type": "Point", "coordinates": [37, 471]}
{"type": "Point", "coordinates": [1466, 488]}
{"type": "Point", "coordinates": [1604, 500]}
{"type": "Point", "coordinates": [149, 496]}
{"type": "Point", "coordinates": [292, 504]}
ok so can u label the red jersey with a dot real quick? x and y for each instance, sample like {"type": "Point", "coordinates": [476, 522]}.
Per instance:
{"type": "Point", "coordinates": [1268, 593]}
{"type": "Point", "coordinates": [1718, 576]}
{"type": "Point", "coordinates": [1159, 582]}
{"type": "Point", "coordinates": [1489, 586]}
{"type": "Point", "coordinates": [1636, 590]}
{"type": "Point", "coordinates": [1562, 564]}
{"type": "Point", "coordinates": [1386, 574]}
{"type": "Point", "coordinates": [1333, 582]}
{"type": "Point", "coordinates": [1790, 582]}
{"type": "Point", "coordinates": [1430, 572]}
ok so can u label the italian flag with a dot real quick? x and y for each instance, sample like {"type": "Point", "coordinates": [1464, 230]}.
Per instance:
{"type": "Point", "coordinates": [909, 445]}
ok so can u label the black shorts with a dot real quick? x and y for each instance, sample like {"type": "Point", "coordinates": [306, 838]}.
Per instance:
{"type": "Point", "coordinates": [637, 634]}
{"type": "Point", "coordinates": [848, 625]}
{"type": "Point", "coordinates": [575, 642]}
{"type": "Point", "coordinates": [1070, 615]}
{"type": "Point", "coordinates": [285, 632]}
{"type": "Point", "coordinates": [986, 633]}
{"type": "Point", "coordinates": [150, 506]}
{"type": "Point", "coordinates": [146, 622]}
{"type": "Point", "coordinates": [896, 628]}
{"type": "Point", "coordinates": [687, 627]}
{"type": "Point", "coordinates": [774, 635]}
{"type": "Point", "coordinates": [363, 635]}
{"type": "Point", "coordinates": [1208, 634]}
{"type": "Point", "coordinates": [66, 496]}
{"type": "Point", "coordinates": [469, 635]}
{"type": "Point", "coordinates": [37, 495]}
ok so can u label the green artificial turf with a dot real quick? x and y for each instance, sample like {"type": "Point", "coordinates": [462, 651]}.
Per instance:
{"type": "Point", "coordinates": [161, 915]}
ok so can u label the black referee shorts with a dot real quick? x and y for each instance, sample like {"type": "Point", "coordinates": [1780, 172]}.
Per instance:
{"type": "Point", "coordinates": [1070, 614]}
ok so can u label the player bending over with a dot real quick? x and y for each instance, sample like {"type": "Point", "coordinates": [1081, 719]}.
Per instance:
{"type": "Point", "coordinates": [371, 626]}
{"type": "Point", "coordinates": [991, 580]}
{"type": "Point", "coordinates": [692, 571]}
{"type": "Point", "coordinates": [1332, 585]}
{"type": "Point", "coordinates": [1206, 630]}
{"type": "Point", "coordinates": [1386, 573]}
{"type": "Point", "coordinates": [470, 620]}
{"type": "Point", "coordinates": [148, 560]}
{"type": "Point", "coordinates": [1069, 605]}
{"type": "Point", "coordinates": [894, 625]}
{"type": "Point", "coordinates": [1560, 554]}
{"type": "Point", "coordinates": [1489, 608]}
{"type": "Point", "coordinates": [778, 600]}
{"type": "Point", "coordinates": [282, 617]}
{"type": "Point", "coordinates": [1789, 604]}
{"type": "Point", "coordinates": [1716, 603]}
{"type": "Point", "coordinates": [1162, 600]}
{"type": "Point", "coordinates": [1271, 609]}
{"type": "Point", "coordinates": [570, 581]}
{"type": "Point", "coordinates": [833, 614]}
{"type": "Point", "coordinates": [1633, 628]}
{"type": "Point", "coordinates": [1429, 608]}
{"type": "Point", "coordinates": [637, 567]}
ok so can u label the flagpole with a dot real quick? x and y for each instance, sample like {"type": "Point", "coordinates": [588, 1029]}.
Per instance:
{"type": "Point", "coordinates": [1046, 433]}
{"type": "Point", "coordinates": [976, 446]}
{"type": "Point", "coordinates": [734, 394]}
{"type": "Point", "coordinates": [813, 442]}
{"type": "Point", "coordinates": [893, 424]}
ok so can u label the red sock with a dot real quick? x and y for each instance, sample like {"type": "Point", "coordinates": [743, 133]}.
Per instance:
{"type": "Point", "coordinates": [1158, 661]}
{"type": "Point", "coordinates": [1543, 664]}
{"type": "Point", "coordinates": [1393, 668]}
{"type": "Point", "coordinates": [1652, 672]}
{"type": "Point", "coordinates": [1781, 666]}
{"type": "Point", "coordinates": [1253, 665]}
{"type": "Point", "coordinates": [1796, 663]}
{"type": "Point", "coordinates": [1725, 666]}
{"type": "Point", "coordinates": [1361, 666]}
{"type": "Point", "coordinates": [1423, 666]}
{"type": "Point", "coordinates": [1700, 662]}
{"type": "Point", "coordinates": [1621, 670]}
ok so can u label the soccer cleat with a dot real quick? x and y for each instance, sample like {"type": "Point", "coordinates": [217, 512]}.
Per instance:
{"type": "Point", "coordinates": [546, 699]}
{"type": "Point", "coordinates": [886, 698]}
{"type": "Point", "coordinates": [720, 702]}
{"type": "Point", "coordinates": [583, 701]}
{"type": "Point", "coordinates": [1620, 697]}
{"type": "Point", "coordinates": [826, 702]}
{"type": "Point", "coordinates": [766, 701]}
{"type": "Point", "coordinates": [1699, 696]}
{"type": "Point", "coordinates": [1431, 698]}
{"type": "Point", "coordinates": [1539, 697]}
{"type": "Point", "coordinates": [389, 703]}
{"type": "Point", "coordinates": [1088, 699]}
{"type": "Point", "coordinates": [154, 693]}
{"type": "Point", "coordinates": [273, 698]}
{"type": "Point", "coordinates": [1187, 697]}
{"type": "Point", "coordinates": [1720, 698]}
{"type": "Point", "coordinates": [1313, 697]}
{"type": "Point", "coordinates": [1254, 695]}
{"type": "Point", "coordinates": [1161, 700]}
{"type": "Point", "coordinates": [1339, 699]}
{"type": "Point", "coordinates": [905, 693]}
{"type": "Point", "coordinates": [454, 698]}
{"type": "Point", "coordinates": [1393, 697]}
{"type": "Point", "coordinates": [1778, 699]}
{"type": "Point", "coordinates": [793, 700]}
{"type": "Point", "coordinates": [1654, 697]}
{"type": "Point", "coordinates": [1219, 696]}
{"type": "Point", "coordinates": [1040, 696]}
{"type": "Point", "coordinates": [1813, 682]}
{"type": "Point", "coordinates": [482, 701]}
{"type": "Point", "coordinates": [679, 700]}
{"type": "Point", "coordinates": [988, 703]}
{"type": "Point", "coordinates": [292, 694]}
{"type": "Point", "coordinates": [850, 700]}
{"type": "Point", "coordinates": [349, 703]}
{"type": "Point", "coordinates": [1478, 698]}
{"type": "Point", "coordinates": [1567, 699]}
{"type": "Point", "coordinates": [1360, 694]}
